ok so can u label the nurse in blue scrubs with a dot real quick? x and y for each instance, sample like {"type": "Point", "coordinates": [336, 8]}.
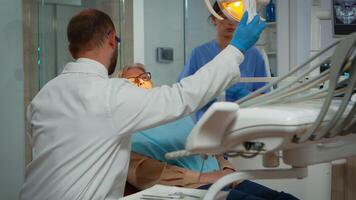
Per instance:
{"type": "Point", "coordinates": [253, 65]}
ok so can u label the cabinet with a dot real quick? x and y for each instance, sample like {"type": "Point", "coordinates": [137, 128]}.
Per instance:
{"type": "Point", "coordinates": [267, 43]}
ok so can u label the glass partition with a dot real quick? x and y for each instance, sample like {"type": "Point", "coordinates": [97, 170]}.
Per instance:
{"type": "Point", "coordinates": [53, 18]}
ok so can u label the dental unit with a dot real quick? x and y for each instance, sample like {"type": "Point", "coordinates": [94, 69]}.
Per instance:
{"type": "Point", "coordinates": [305, 119]}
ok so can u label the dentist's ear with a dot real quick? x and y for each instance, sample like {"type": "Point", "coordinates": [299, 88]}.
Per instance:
{"type": "Point", "coordinates": [112, 40]}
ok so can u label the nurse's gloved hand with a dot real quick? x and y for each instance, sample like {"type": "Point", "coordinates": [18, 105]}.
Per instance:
{"type": "Point", "coordinates": [246, 35]}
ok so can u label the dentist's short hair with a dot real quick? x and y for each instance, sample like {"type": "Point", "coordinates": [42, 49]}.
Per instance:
{"type": "Point", "coordinates": [87, 30]}
{"type": "Point", "coordinates": [140, 66]}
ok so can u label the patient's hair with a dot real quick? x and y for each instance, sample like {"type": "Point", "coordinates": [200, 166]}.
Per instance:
{"type": "Point", "coordinates": [122, 72]}
{"type": "Point", "coordinates": [87, 30]}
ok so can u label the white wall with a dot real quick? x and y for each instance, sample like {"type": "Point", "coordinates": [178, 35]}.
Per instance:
{"type": "Point", "coordinates": [138, 31]}
{"type": "Point", "coordinates": [163, 27]}
{"type": "Point", "coordinates": [156, 24]}
{"type": "Point", "coordinates": [198, 29]}
{"type": "Point", "coordinates": [326, 28]}
{"type": "Point", "coordinates": [300, 31]}
{"type": "Point", "coordinates": [12, 145]}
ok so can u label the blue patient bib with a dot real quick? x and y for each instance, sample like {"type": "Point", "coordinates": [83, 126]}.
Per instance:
{"type": "Point", "coordinates": [156, 142]}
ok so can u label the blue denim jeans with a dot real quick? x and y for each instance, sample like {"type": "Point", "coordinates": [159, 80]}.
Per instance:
{"type": "Point", "coordinates": [248, 190]}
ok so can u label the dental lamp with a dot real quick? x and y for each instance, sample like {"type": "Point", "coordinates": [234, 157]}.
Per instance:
{"type": "Point", "coordinates": [234, 9]}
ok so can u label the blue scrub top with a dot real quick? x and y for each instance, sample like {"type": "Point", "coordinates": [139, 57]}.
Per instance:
{"type": "Point", "coordinates": [156, 142]}
{"type": "Point", "coordinates": [252, 66]}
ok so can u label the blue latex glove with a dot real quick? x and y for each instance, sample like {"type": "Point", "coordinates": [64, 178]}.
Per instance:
{"type": "Point", "coordinates": [246, 35]}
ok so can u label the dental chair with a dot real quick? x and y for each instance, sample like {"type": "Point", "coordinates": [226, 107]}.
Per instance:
{"type": "Point", "coordinates": [305, 120]}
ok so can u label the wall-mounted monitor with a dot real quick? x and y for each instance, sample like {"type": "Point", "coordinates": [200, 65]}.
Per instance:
{"type": "Point", "coordinates": [344, 17]}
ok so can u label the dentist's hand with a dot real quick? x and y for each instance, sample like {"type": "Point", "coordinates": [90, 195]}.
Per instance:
{"type": "Point", "coordinates": [246, 35]}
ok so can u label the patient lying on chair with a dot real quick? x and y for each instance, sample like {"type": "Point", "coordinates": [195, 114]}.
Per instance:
{"type": "Point", "coordinates": [148, 165]}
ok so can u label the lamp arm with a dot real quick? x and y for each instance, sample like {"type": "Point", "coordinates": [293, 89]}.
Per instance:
{"type": "Point", "coordinates": [212, 11]}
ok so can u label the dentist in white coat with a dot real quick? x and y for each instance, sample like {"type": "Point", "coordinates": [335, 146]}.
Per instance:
{"type": "Point", "coordinates": [81, 121]}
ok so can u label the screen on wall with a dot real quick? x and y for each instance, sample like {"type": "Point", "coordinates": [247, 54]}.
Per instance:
{"type": "Point", "coordinates": [344, 17]}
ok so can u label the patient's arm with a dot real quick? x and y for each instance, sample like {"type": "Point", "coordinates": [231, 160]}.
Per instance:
{"type": "Point", "coordinates": [225, 164]}
{"type": "Point", "coordinates": [145, 172]}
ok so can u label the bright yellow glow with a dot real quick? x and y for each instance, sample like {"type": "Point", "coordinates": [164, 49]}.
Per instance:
{"type": "Point", "coordinates": [141, 83]}
{"type": "Point", "coordinates": [234, 9]}
{"type": "Point", "coordinates": [237, 4]}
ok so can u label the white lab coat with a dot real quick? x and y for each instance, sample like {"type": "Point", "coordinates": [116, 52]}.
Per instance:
{"type": "Point", "coordinates": [80, 125]}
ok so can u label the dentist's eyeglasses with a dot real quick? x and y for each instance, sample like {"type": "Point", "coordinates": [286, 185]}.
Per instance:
{"type": "Point", "coordinates": [118, 40]}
